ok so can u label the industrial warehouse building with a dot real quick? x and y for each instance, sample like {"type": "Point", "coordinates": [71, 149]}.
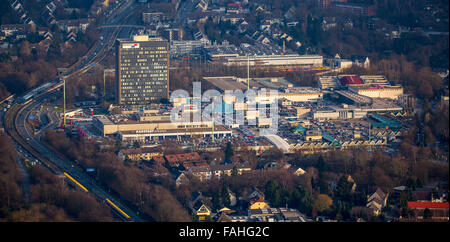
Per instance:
{"type": "Point", "coordinates": [275, 60]}
{"type": "Point", "coordinates": [377, 91]}
{"type": "Point", "coordinates": [290, 93]}
{"type": "Point", "coordinates": [328, 82]}
{"type": "Point", "coordinates": [155, 128]}
{"type": "Point", "coordinates": [339, 113]}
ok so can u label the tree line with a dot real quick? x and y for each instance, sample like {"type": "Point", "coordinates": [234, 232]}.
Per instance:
{"type": "Point", "coordinates": [50, 198]}
{"type": "Point", "coordinates": [131, 183]}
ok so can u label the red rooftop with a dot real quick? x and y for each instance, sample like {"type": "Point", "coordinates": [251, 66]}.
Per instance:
{"type": "Point", "coordinates": [350, 80]}
{"type": "Point", "coordinates": [427, 205]}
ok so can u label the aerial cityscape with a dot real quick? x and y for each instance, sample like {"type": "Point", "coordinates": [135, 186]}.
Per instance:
{"type": "Point", "coordinates": [224, 111]}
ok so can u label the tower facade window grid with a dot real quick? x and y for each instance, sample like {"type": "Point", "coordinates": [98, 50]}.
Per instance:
{"type": "Point", "coordinates": [142, 71]}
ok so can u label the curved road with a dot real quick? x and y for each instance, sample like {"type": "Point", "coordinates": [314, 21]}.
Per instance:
{"type": "Point", "coordinates": [16, 122]}
{"type": "Point", "coordinates": [63, 164]}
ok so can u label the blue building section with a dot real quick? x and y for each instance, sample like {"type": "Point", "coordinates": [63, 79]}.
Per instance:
{"type": "Point", "coordinates": [384, 122]}
{"type": "Point", "coordinates": [224, 108]}
{"type": "Point", "coordinates": [300, 129]}
{"type": "Point", "coordinates": [327, 137]}
{"type": "Point", "coordinates": [379, 125]}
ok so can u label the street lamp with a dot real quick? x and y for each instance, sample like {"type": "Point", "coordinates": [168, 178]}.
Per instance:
{"type": "Point", "coordinates": [64, 102]}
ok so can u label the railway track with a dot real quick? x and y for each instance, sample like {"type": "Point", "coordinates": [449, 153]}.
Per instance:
{"type": "Point", "coordinates": [13, 121]}
{"type": "Point", "coordinates": [10, 122]}
{"type": "Point", "coordinates": [11, 125]}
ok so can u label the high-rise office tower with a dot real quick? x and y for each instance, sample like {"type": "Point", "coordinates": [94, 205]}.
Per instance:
{"type": "Point", "coordinates": [142, 70]}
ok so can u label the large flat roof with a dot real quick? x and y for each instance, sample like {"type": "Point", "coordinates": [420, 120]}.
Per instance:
{"type": "Point", "coordinates": [217, 128]}
{"type": "Point", "coordinates": [226, 83]}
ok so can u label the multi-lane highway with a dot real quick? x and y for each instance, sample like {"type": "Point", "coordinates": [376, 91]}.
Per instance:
{"type": "Point", "coordinates": [15, 120]}
{"type": "Point", "coordinates": [119, 15]}
{"type": "Point", "coordinates": [61, 163]}
{"type": "Point", "coordinates": [184, 10]}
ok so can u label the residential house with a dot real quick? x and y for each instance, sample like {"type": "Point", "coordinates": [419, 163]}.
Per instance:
{"type": "Point", "coordinates": [220, 170]}
{"type": "Point", "coordinates": [292, 23]}
{"type": "Point", "coordinates": [299, 172]}
{"type": "Point", "coordinates": [202, 211]}
{"type": "Point", "coordinates": [71, 36]}
{"type": "Point", "coordinates": [242, 26]}
{"type": "Point", "coordinates": [262, 8]}
{"type": "Point", "coordinates": [202, 171]}
{"type": "Point", "coordinates": [202, 5]}
{"type": "Point", "coordinates": [45, 44]}
{"type": "Point", "coordinates": [181, 179]}
{"type": "Point", "coordinates": [284, 36]}
{"type": "Point", "coordinates": [73, 25]}
{"type": "Point", "coordinates": [228, 215]}
{"type": "Point", "coordinates": [21, 12]}
{"type": "Point", "coordinates": [178, 159]}
{"type": "Point", "coordinates": [243, 167]}
{"type": "Point", "coordinates": [199, 206]}
{"type": "Point", "coordinates": [257, 200]}
{"type": "Point", "coordinates": [290, 14]}
{"type": "Point", "coordinates": [48, 36]}
{"type": "Point", "coordinates": [276, 32]}
{"type": "Point", "coordinates": [45, 32]}
{"type": "Point", "coordinates": [335, 179]}
{"type": "Point", "coordinates": [238, 218]}
{"type": "Point", "coordinates": [261, 215]}
{"type": "Point", "coordinates": [290, 215]}
{"type": "Point", "coordinates": [15, 30]}
{"type": "Point", "coordinates": [234, 8]}
{"type": "Point", "coordinates": [377, 201]}
{"type": "Point", "coordinates": [233, 18]}
{"type": "Point", "coordinates": [275, 215]}
{"type": "Point", "coordinates": [338, 63]}
{"type": "Point", "coordinates": [430, 193]}
{"type": "Point", "coordinates": [254, 34]}
{"type": "Point", "coordinates": [16, 5]}
{"type": "Point", "coordinates": [396, 191]}
{"type": "Point", "coordinates": [265, 26]}
{"type": "Point", "coordinates": [48, 13]}
{"type": "Point", "coordinates": [362, 61]}
{"type": "Point", "coordinates": [137, 154]}
{"type": "Point", "coordinates": [263, 39]}
{"type": "Point", "coordinates": [233, 198]}
{"type": "Point", "coordinates": [225, 210]}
